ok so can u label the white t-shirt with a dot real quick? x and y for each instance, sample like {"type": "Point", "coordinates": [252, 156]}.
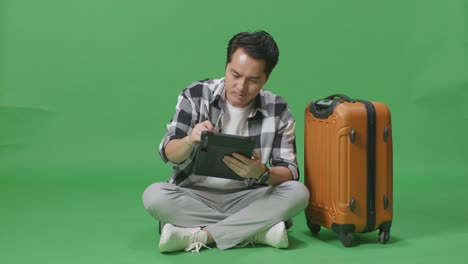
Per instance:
{"type": "Point", "coordinates": [234, 123]}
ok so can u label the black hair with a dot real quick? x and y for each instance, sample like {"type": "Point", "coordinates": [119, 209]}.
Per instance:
{"type": "Point", "coordinates": [258, 45]}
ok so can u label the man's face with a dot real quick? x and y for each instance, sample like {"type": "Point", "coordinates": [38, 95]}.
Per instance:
{"type": "Point", "coordinates": [245, 78]}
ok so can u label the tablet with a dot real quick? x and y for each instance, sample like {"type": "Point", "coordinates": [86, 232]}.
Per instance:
{"type": "Point", "coordinates": [212, 149]}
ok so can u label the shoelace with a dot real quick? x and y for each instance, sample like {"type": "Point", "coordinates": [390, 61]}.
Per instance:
{"type": "Point", "coordinates": [195, 247]}
{"type": "Point", "coordinates": [246, 243]}
{"type": "Point", "coordinates": [250, 241]}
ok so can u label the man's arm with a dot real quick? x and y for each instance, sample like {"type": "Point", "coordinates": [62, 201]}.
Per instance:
{"type": "Point", "coordinates": [178, 150]}
{"type": "Point", "coordinates": [178, 128]}
{"type": "Point", "coordinates": [283, 158]}
{"type": "Point", "coordinates": [278, 175]}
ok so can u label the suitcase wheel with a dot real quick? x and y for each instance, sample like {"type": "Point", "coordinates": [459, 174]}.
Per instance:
{"type": "Point", "coordinates": [384, 236]}
{"type": "Point", "coordinates": [347, 239]}
{"type": "Point", "coordinates": [315, 229]}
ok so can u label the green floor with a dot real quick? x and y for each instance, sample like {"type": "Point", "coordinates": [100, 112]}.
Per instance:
{"type": "Point", "coordinates": [95, 215]}
{"type": "Point", "coordinates": [86, 88]}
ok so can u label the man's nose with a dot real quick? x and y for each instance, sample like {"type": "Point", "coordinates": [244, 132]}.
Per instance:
{"type": "Point", "coordinates": [241, 84]}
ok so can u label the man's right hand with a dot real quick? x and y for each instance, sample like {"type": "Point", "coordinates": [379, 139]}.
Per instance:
{"type": "Point", "coordinates": [195, 135]}
{"type": "Point", "coordinates": [178, 150]}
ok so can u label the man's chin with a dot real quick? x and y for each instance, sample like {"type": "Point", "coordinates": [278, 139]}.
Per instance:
{"type": "Point", "coordinates": [236, 101]}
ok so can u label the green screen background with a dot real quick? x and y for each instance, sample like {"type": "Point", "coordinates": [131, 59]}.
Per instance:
{"type": "Point", "coordinates": [87, 87]}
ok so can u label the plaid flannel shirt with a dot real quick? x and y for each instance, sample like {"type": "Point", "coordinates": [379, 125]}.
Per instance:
{"type": "Point", "coordinates": [269, 123]}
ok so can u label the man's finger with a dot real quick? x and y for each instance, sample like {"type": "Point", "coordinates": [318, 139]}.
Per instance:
{"type": "Point", "coordinates": [231, 164]}
{"type": "Point", "coordinates": [256, 155]}
{"type": "Point", "coordinates": [231, 160]}
{"type": "Point", "coordinates": [241, 158]}
{"type": "Point", "coordinates": [207, 124]}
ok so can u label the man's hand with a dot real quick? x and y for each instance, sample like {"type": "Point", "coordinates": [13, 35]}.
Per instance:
{"type": "Point", "coordinates": [178, 150]}
{"type": "Point", "coordinates": [245, 167]}
{"type": "Point", "coordinates": [195, 134]}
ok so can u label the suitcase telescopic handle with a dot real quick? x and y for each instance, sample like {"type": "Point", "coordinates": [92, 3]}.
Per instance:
{"type": "Point", "coordinates": [341, 96]}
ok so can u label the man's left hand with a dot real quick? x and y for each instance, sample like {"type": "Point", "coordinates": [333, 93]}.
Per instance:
{"type": "Point", "coordinates": [245, 167]}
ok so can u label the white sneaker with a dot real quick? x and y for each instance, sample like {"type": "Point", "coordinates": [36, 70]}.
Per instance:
{"type": "Point", "coordinates": [276, 236]}
{"type": "Point", "coordinates": [175, 238]}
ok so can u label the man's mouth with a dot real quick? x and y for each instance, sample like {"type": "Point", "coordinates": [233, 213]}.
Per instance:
{"type": "Point", "coordinates": [241, 96]}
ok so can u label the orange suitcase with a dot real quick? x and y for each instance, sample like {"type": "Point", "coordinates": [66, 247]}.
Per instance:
{"type": "Point", "coordinates": [349, 167]}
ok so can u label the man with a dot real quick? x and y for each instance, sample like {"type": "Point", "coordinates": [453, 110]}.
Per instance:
{"type": "Point", "coordinates": [198, 210]}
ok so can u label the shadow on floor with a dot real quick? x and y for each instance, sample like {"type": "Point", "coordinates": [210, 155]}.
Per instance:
{"type": "Point", "coordinates": [145, 240]}
{"type": "Point", "coordinates": [360, 239]}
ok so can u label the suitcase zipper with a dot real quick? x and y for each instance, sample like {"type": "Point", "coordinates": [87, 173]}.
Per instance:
{"type": "Point", "coordinates": [371, 163]}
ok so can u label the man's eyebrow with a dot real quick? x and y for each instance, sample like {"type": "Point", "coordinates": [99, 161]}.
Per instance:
{"type": "Point", "coordinates": [235, 72]}
{"type": "Point", "coordinates": [248, 77]}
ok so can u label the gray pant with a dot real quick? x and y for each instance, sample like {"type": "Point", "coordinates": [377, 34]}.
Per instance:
{"type": "Point", "coordinates": [231, 216]}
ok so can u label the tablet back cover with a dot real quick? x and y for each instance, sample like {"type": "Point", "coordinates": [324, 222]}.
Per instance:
{"type": "Point", "coordinates": [213, 147]}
